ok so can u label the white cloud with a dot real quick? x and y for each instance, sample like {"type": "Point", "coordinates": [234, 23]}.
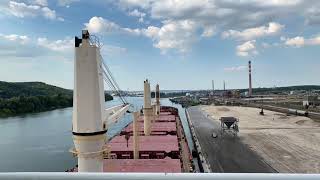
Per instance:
{"type": "Point", "coordinates": [66, 3]}
{"type": "Point", "coordinates": [172, 35]}
{"type": "Point", "coordinates": [300, 41]}
{"type": "Point", "coordinates": [274, 3]}
{"type": "Point", "coordinates": [48, 13]}
{"type": "Point", "coordinates": [111, 50]}
{"type": "Point", "coordinates": [247, 49]}
{"type": "Point", "coordinates": [177, 35]}
{"type": "Point", "coordinates": [243, 20]}
{"type": "Point", "coordinates": [225, 13]}
{"type": "Point", "coordinates": [265, 45]}
{"type": "Point", "coordinates": [253, 33]}
{"type": "Point", "coordinates": [134, 3]}
{"type": "Point", "coordinates": [208, 31]}
{"type": "Point", "coordinates": [101, 25]}
{"type": "Point", "coordinates": [177, 9]}
{"type": "Point", "coordinates": [65, 45]}
{"type": "Point", "coordinates": [132, 31]}
{"type": "Point", "coordinates": [228, 14]}
{"type": "Point", "coordinates": [22, 39]}
{"type": "Point", "coordinates": [23, 10]}
{"type": "Point", "coordinates": [235, 69]}
{"type": "Point", "coordinates": [22, 46]}
{"type": "Point", "coordinates": [152, 31]}
{"type": "Point", "coordinates": [137, 13]}
{"type": "Point", "coordinates": [41, 2]}
{"type": "Point", "coordinates": [297, 41]}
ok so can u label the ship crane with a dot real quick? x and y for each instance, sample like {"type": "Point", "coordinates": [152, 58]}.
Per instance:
{"type": "Point", "coordinates": [90, 118]}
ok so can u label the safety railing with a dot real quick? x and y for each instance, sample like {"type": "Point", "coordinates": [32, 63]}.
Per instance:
{"type": "Point", "coordinates": [155, 176]}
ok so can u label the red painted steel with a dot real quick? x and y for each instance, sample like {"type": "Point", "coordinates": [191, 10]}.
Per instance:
{"type": "Point", "coordinates": [162, 117]}
{"type": "Point", "coordinates": [166, 165]}
{"type": "Point", "coordinates": [156, 126]}
{"type": "Point", "coordinates": [146, 143]}
{"type": "Point", "coordinates": [158, 152]}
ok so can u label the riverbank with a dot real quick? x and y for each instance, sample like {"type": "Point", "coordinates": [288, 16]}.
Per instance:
{"type": "Point", "coordinates": [40, 142]}
{"type": "Point", "coordinates": [22, 105]}
{"type": "Point", "coordinates": [20, 98]}
{"type": "Point", "coordinates": [289, 144]}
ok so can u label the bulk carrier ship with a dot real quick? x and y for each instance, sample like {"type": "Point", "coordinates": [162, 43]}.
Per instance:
{"type": "Point", "coordinates": [164, 150]}
{"type": "Point", "coordinates": [154, 142]}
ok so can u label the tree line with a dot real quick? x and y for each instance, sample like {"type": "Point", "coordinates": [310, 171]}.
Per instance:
{"type": "Point", "coordinates": [23, 104]}
{"type": "Point", "coordinates": [30, 97]}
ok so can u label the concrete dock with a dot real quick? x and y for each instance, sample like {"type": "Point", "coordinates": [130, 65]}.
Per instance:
{"type": "Point", "coordinates": [226, 154]}
{"type": "Point", "coordinates": [275, 142]}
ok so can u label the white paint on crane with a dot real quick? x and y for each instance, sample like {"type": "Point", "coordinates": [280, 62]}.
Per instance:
{"type": "Point", "coordinates": [157, 95]}
{"type": "Point", "coordinates": [135, 135]}
{"type": "Point", "coordinates": [90, 118]}
{"type": "Point", "coordinates": [88, 107]}
{"type": "Point", "coordinates": [147, 109]}
{"type": "Point", "coordinates": [88, 104]}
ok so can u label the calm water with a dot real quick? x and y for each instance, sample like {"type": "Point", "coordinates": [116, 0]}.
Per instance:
{"type": "Point", "coordinates": [41, 141]}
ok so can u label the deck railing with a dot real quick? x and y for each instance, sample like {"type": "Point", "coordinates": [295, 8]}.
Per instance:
{"type": "Point", "coordinates": [155, 176]}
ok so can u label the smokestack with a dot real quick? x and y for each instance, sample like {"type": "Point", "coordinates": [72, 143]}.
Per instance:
{"type": "Point", "coordinates": [224, 86]}
{"type": "Point", "coordinates": [212, 87]}
{"type": "Point", "coordinates": [250, 83]}
{"type": "Point", "coordinates": [147, 109]}
{"type": "Point", "coordinates": [88, 106]}
{"type": "Point", "coordinates": [135, 135]}
{"type": "Point", "coordinates": [157, 99]}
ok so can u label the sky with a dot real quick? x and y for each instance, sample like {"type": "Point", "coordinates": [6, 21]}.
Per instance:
{"type": "Point", "coordinates": [180, 44]}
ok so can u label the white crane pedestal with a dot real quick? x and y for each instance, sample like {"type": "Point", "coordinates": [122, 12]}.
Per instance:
{"type": "Point", "coordinates": [90, 151]}
{"type": "Point", "coordinates": [90, 118]}
{"type": "Point", "coordinates": [148, 116]}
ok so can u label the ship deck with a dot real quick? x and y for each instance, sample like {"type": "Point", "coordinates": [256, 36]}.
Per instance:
{"type": "Point", "coordinates": [165, 150]}
{"type": "Point", "coordinates": [142, 165]}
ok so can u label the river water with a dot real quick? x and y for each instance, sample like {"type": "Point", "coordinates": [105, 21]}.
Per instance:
{"type": "Point", "coordinates": [41, 141]}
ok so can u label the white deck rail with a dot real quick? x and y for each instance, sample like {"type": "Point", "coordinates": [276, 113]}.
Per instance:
{"type": "Point", "coordinates": [155, 176]}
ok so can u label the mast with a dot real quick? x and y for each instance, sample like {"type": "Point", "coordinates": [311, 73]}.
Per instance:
{"type": "Point", "coordinates": [147, 109]}
{"type": "Point", "coordinates": [88, 127]}
{"type": "Point", "coordinates": [157, 95]}
{"type": "Point", "coordinates": [135, 135]}
{"type": "Point", "coordinates": [90, 118]}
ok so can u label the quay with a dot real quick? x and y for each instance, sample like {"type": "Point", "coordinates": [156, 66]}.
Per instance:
{"type": "Point", "coordinates": [227, 154]}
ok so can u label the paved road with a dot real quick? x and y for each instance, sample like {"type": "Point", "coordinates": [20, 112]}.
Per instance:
{"type": "Point", "coordinates": [227, 154]}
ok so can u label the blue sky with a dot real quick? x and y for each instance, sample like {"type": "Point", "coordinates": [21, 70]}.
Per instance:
{"type": "Point", "coordinates": [178, 44]}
